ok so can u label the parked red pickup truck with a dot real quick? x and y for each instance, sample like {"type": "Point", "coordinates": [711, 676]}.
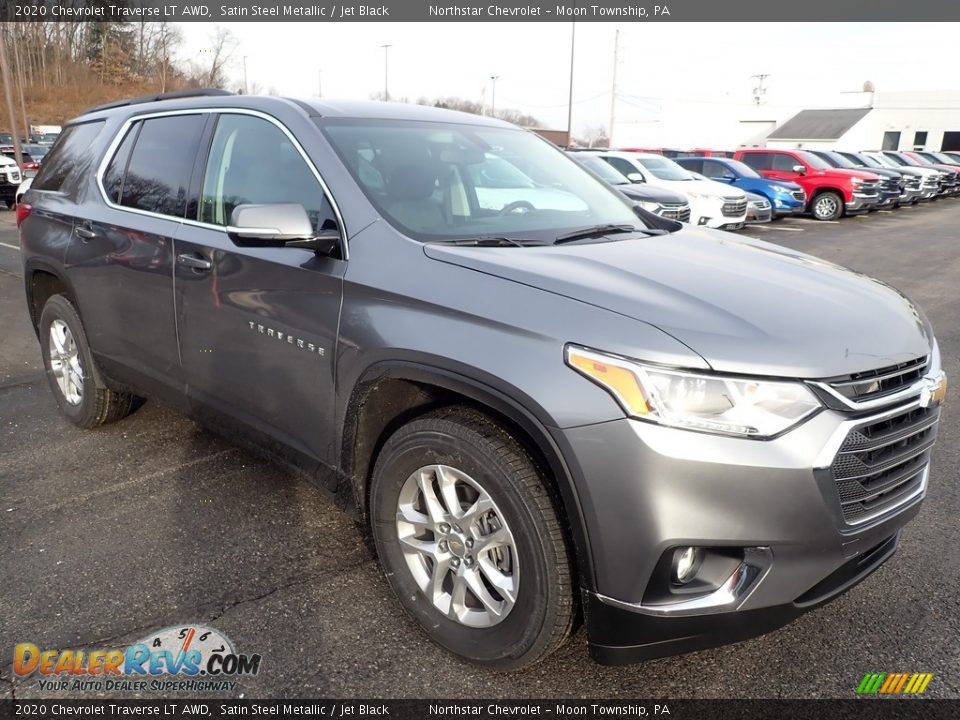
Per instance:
{"type": "Point", "coordinates": [831, 192]}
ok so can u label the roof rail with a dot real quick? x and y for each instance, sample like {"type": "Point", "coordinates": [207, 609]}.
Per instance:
{"type": "Point", "coordinates": [193, 92]}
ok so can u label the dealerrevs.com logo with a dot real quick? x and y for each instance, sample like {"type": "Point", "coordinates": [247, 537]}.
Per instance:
{"type": "Point", "coordinates": [191, 658]}
{"type": "Point", "coordinates": [894, 683]}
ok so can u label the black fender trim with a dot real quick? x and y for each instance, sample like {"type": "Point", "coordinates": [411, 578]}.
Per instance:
{"type": "Point", "coordinates": [499, 402]}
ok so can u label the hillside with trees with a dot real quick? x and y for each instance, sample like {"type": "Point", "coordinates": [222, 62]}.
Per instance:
{"type": "Point", "coordinates": [60, 68]}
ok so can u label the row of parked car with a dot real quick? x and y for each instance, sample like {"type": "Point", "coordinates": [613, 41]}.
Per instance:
{"type": "Point", "coordinates": [728, 189]}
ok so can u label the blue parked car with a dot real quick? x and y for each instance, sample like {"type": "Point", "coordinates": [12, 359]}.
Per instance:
{"type": "Point", "coordinates": [786, 198]}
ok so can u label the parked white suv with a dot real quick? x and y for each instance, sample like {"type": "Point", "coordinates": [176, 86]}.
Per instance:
{"type": "Point", "coordinates": [10, 179]}
{"type": "Point", "coordinates": [714, 204]}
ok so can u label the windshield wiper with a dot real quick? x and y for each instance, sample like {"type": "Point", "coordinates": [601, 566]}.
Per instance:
{"type": "Point", "coordinates": [489, 241]}
{"type": "Point", "coordinates": [601, 230]}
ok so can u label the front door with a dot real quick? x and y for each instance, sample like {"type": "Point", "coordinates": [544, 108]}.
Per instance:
{"type": "Point", "coordinates": [258, 325]}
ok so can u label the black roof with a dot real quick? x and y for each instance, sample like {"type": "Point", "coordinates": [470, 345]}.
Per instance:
{"type": "Point", "coordinates": [819, 124]}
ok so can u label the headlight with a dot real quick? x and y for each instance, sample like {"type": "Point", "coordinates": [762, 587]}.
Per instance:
{"type": "Point", "coordinates": [649, 206]}
{"type": "Point", "coordinates": [709, 403]}
{"type": "Point", "coordinates": [856, 181]}
{"type": "Point", "coordinates": [703, 196]}
{"type": "Point", "coordinates": [781, 189]}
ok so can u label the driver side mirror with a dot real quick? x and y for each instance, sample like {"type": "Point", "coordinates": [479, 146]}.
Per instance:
{"type": "Point", "coordinates": [799, 169]}
{"type": "Point", "coordinates": [279, 225]}
{"type": "Point", "coordinates": [635, 177]}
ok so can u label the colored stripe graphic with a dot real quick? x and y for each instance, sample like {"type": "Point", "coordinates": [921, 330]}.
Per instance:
{"type": "Point", "coordinates": [894, 683]}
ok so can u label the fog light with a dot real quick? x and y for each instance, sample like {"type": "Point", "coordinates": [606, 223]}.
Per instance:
{"type": "Point", "coordinates": [703, 221]}
{"type": "Point", "coordinates": [686, 562]}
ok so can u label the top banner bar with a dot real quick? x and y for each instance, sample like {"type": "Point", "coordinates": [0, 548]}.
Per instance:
{"type": "Point", "coordinates": [478, 11]}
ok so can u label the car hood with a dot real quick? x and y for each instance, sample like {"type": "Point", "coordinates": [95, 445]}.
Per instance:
{"type": "Point", "coordinates": [706, 187]}
{"type": "Point", "coordinates": [846, 172]}
{"type": "Point", "coordinates": [651, 193]}
{"type": "Point", "coordinates": [744, 306]}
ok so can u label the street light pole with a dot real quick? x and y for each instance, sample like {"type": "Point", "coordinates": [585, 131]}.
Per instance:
{"type": "Point", "coordinates": [386, 71]}
{"type": "Point", "coordinates": [493, 96]}
{"type": "Point", "coordinates": [573, 43]}
{"type": "Point", "coordinates": [246, 88]}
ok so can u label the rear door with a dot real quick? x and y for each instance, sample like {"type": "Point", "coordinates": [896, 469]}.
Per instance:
{"type": "Point", "coordinates": [121, 257]}
{"type": "Point", "coordinates": [258, 325]}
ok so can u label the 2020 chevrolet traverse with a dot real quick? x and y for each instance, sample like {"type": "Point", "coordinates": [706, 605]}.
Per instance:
{"type": "Point", "coordinates": [544, 414]}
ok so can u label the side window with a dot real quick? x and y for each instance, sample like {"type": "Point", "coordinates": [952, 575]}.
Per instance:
{"type": "Point", "coordinates": [69, 158]}
{"type": "Point", "coordinates": [253, 161]}
{"type": "Point", "coordinates": [625, 167]}
{"type": "Point", "coordinates": [758, 160]}
{"type": "Point", "coordinates": [158, 174]}
{"type": "Point", "coordinates": [713, 169]}
{"type": "Point", "coordinates": [113, 177]}
{"type": "Point", "coordinates": [784, 163]}
{"type": "Point", "coordinates": [697, 166]}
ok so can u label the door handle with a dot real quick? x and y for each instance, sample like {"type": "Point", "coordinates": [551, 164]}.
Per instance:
{"type": "Point", "coordinates": [194, 261]}
{"type": "Point", "coordinates": [84, 233]}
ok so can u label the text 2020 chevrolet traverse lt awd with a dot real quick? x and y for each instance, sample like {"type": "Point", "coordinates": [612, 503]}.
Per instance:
{"type": "Point", "coordinates": [548, 407]}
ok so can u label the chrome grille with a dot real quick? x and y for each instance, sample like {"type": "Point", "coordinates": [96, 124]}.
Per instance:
{"type": "Point", "coordinates": [761, 204]}
{"type": "Point", "coordinates": [868, 187]}
{"type": "Point", "coordinates": [877, 383]}
{"type": "Point", "coordinates": [891, 184]}
{"type": "Point", "coordinates": [676, 211]}
{"type": "Point", "coordinates": [931, 181]}
{"type": "Point", "coordinates": [883, 463]}
{"type": "Point", "coordinates": [800, 195]}
{"type": "Point", "coordinates": [733, 207]}
{"type": "Point", "coordinates": [912, 182]}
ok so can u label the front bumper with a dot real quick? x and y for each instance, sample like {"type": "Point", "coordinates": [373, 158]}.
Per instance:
{"type": "Point", "coordinates": [619, 636]}
{"type": "Point", "coordinates": [862, 203]}
{"type": "Point", "coordinates": [656, 488]}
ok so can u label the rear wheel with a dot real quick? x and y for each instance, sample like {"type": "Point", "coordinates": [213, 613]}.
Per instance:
{"type": "Point", "coordinates": [470, 541]}
{"type": "Point", "coordinates": [73, 376]}
{"type": "Point", "coordinates": [828, 205]}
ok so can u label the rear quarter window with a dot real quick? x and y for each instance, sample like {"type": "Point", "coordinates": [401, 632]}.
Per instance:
{"type": "Point", "coordinates": [71, 157]}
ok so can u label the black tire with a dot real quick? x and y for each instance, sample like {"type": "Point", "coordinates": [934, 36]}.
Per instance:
{"type": "Point", "coordinates": [545, 607]}
{"type": "Point", "coordinates": [827, 205]}
{"type": "Point", "coordinates": [97, 403]}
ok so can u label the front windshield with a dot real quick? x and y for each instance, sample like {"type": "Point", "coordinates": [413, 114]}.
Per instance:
{"type": "Point", "coordinates": [436, 181]}
{"type": "Point", "coordinates": [867, 161]}
{"type": "Point", "coordinates": [742, 169]}
{"type": "Point", "coordinates": [601, 167]}
{"type": "Point", "coordinates": [944, 158]}
{"type": "Point", "coordinates": [812, 160]}
{"type": "Point", "coordinates": [903, 160]}
{"type": "Point", "coordinates": [839, 160]}
{"type": "Point", "coordinates": [885, 161]}
{"type": "Point", "coordinates": [664, 168]}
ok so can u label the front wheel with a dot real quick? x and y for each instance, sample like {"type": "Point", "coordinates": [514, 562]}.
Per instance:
{"type": "Point", "coordinates": [469, 539]}
{"type": "Point", "coordinates": [827, 206]}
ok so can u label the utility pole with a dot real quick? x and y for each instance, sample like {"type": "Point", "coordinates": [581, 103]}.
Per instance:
{"type": "Point", "coordinates": [246, 88]}
{"type": "Point", "coordinates": [613, 88]}
{"type": "Point", "coordinates": [493, 96]}
{"type": "Point", "coordinates": [8, 92]}
{"type": "Point", "coordinates": [386, 71]}
{"type": "Point", "coordinates": [573, 44]}
{"type": "Point", "coordinates": [759, 91]}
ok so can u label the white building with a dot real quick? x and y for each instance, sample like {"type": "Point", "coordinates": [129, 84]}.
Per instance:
{"type": "Point", "coordinates": [907, 120]}
{"type": "Point", "coordinates": [900, 120]}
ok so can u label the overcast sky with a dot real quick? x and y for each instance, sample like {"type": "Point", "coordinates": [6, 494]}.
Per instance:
{"type": "Point", "coordinates": [808, 64]}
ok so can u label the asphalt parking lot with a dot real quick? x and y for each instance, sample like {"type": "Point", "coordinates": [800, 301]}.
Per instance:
{"type": "Point", "coordinates": [154, 521]}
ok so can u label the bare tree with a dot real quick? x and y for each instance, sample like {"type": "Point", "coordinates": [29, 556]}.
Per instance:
{"type": "Point", "coordinates": [223, 45]}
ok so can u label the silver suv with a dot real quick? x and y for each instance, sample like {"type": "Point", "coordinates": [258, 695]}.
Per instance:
{"type": "Point", "coordinates": [546, 407]}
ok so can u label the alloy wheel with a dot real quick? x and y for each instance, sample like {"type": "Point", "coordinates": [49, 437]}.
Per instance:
{"type": "Point", "coordinates": [65, 362]}
{"type": "Point", "coordinates": [458, 546]}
